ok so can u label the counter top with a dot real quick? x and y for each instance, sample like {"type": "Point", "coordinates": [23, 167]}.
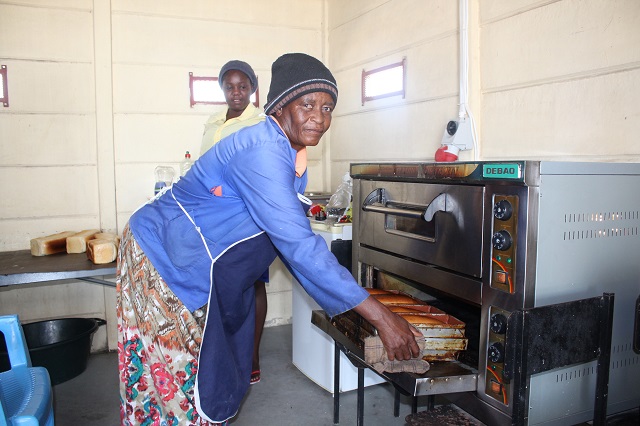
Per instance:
{"type": "Point", "coordinates": [20, 267]}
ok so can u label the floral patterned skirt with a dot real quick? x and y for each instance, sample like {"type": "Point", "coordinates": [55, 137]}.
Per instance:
{"type": "Point", "coordinates": [158, 345]}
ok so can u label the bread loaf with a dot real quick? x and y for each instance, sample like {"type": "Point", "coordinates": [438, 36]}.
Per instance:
{"type": "Point", "coordinates": [418, 320]}
{"type": "Point", "coordinates": [101, 251]}
{"type": "Point", "coordinates": [77, 243]}
{"type": "Point", "coordinates": [403, 309]}
{"type": "Point", "coordinates": [377, 291]}
{"type": "Point", "coordinates": [397, 299]}
{"type": "Point", "coordinates": [50, 244]}
{"type": "Point", "coordinates": [108, 236]}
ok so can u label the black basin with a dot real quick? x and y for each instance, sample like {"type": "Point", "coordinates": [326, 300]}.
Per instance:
{"type": "Point", "coordinates": [62, 346]}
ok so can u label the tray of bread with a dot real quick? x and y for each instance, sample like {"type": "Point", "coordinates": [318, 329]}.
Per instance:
{"type": "Point", "coordinates": [444, 335]}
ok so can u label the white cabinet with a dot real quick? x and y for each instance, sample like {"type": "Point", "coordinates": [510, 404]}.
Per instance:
{"type": "Point", "coordinates": [313, 350]}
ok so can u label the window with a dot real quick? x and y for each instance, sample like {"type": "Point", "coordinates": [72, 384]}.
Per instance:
{"type": "Point", "coordinates": [383, 82]}
{"type": "Point", "coordinates": [207, 91]}
{"type": "Point", "coordinates": [4, 90]}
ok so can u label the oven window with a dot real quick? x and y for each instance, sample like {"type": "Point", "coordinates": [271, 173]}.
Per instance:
{"type": "Point", "coordinates": [409, 226]}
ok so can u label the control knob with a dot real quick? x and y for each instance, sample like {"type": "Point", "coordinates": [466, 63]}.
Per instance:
{"type": "Point", "coordinates": [501, 240]}
{"type": "Point", "coordinates": [496, 352]}
{"type": "Point", "coordinates": [498, 324]}
{"type": "Point", "coordinates": [502, 210]}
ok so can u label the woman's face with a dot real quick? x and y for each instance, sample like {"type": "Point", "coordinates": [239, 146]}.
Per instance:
{"type": "Point", "coordinates": [237, 91]}
{"type": "Point", "coordinates": [306, 119]}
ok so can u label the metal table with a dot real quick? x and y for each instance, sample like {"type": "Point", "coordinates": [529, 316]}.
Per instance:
{"type": "Point", "coordinates": [20, 267]}
{"type": "Point", "coordinates": [442, 377]}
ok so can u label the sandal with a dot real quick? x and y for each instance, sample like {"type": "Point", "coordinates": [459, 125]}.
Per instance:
{"type": "Point", "coordinates": [255, 377]}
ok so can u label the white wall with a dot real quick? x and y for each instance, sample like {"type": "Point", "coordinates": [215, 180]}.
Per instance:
{"type": "Point", "coordinates": [560, 79]}
{"type": "Point", "coordinates": [367, 34]}
{"type": "Point", "coordinates": [548, 79]}
{"type": "Point", "coordinates": [48, 147]}
{"type": "Point", "coordinates": [99, 96]}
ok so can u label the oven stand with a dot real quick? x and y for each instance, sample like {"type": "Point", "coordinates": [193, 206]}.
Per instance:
{"type": "Point", "coordinates": [444, 377]}
{"type": "Point", "coordinates": [360, 389]}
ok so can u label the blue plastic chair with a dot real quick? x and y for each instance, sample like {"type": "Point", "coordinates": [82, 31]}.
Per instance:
{"type": "Point", "coordinates": [25, 391]}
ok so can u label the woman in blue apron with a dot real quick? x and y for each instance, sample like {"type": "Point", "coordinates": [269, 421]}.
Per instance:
{"type": "Point", "coordinates": [190, 257]}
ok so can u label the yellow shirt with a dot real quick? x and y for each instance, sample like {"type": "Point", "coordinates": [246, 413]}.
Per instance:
{"type": "Point", "coordinates": [217, 128]}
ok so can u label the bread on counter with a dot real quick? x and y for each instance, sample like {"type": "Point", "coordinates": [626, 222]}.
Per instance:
{"type": "Point", "coordinates": [77, 243]}
{"type": "Point", "coordinates": [101, 251]}
{"type": "Point", "coordinates": [51, 244]}
{"type": "Point", "coordinates": [108, 236]}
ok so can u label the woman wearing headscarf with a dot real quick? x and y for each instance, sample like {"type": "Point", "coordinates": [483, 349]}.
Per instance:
{"type": "Point", "coordinates": [238, 82]}
{"type": "Point", "coordinates": [189, 258]}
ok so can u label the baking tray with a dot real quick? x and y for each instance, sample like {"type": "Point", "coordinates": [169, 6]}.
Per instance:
{"type": "Point", "coordinates": [442, 377]}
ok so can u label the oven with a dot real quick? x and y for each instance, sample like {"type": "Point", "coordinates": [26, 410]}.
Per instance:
{"type": "Point", "coordinates": [482, 239]}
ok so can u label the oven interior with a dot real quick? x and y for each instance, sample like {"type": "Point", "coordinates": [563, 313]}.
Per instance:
{"type": "Point", "coordinates": [465, 312]}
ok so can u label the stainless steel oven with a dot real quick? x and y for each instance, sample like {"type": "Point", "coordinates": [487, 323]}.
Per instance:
{"type": "Point", "coordinates": [486, 238]}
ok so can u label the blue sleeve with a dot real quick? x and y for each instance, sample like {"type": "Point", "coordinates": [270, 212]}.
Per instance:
{"type": "Point", "coordinates": [264, 178]}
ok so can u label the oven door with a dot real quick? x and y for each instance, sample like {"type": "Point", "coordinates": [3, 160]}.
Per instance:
{"type": "Point", "coordinates": [432, 223]}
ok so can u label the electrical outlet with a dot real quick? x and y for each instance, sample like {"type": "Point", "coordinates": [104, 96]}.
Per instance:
{"type": "Point", "coordinates": [458, 133]}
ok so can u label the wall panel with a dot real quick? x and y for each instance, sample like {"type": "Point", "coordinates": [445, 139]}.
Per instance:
{"type": "Point", "coordinates": [50, 87]}
{"type": "Point", "coordinates": [17, 232]}
{"type": "Point", "coordinates": [404, 132]}
{"type": "Point", "coordinates": [493, 10]}
{"type": "Point", "coordinates": [595, 117]}
{"type": "Point", "coordinates": [572, 38]}
{"type": "Point", "coordinates": [153, 138]}
{"type": "Point", "coordinates": [46, 33]}
{"type": "Point", "coordinates": [46, 139]}
{"type": "Point", "coordinates": [281, 13]}
{"type": "Point", "coordinates": [366, 35]}
{"type": "Point", "coordinates": [50, 191]}
{"type": "Point", "coordinates": [387, 29]}
{"type": "Point", "coordinates": [341, 12]}
{"type": "Point", "coordinates": [431, 74]}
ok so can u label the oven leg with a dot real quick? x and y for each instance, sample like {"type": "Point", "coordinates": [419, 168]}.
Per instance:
{"type": "Point", "coordinates": [336, 384]}
{"type": "Point", "coordinates": [414, 404]}
{"type": "Point", "coordinates": [360, 396]}
{"type": "Point", "coordinates": [396, 403]}
{"type": "Point", "coordinates": [430, 402]}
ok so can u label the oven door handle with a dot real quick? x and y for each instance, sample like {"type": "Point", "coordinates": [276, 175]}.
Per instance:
{"type": "Point", "coordinates": [442, 203]}
{"type": "Point", "coordinates": [377, 201]}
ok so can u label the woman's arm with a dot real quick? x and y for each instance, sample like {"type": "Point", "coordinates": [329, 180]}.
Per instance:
{"type": "Point", "coordinates": [397, 335]}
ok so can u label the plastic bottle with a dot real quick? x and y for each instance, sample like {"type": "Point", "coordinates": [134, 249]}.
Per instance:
{"type": "Point", "coordinates": [186, 164]}
{"type": "Point", "coordinates": [341, 199]}
{"type": "Point", "coordinates": [164, 177]}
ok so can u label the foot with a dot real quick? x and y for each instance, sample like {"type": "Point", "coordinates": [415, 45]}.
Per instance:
{"type": "Point", "coordinates": [255, 377]}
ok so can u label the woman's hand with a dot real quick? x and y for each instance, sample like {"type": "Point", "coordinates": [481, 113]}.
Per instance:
{"type": "Point", "coordinates": [397, 335]}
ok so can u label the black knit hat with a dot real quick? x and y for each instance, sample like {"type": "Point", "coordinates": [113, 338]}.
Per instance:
{"type": "Point", "coordinates": [239, 66]}
{"type": "Point", "coordinates": [294, 75]}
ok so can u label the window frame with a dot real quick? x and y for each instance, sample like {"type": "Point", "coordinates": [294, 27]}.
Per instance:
{"type": "Point", "coordinates": [366, 74]}
{"type": "Point", "coordinates": [193, 102]}
{"type": "Point", "coordinates": [5, 89]}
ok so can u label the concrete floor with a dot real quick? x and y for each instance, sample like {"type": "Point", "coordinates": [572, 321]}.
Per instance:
{"type": "Point", "coordinates": [284, 397]}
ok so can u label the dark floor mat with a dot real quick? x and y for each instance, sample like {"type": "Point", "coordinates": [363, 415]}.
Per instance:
{"type": "Point", "coordinates": [442, 415]}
